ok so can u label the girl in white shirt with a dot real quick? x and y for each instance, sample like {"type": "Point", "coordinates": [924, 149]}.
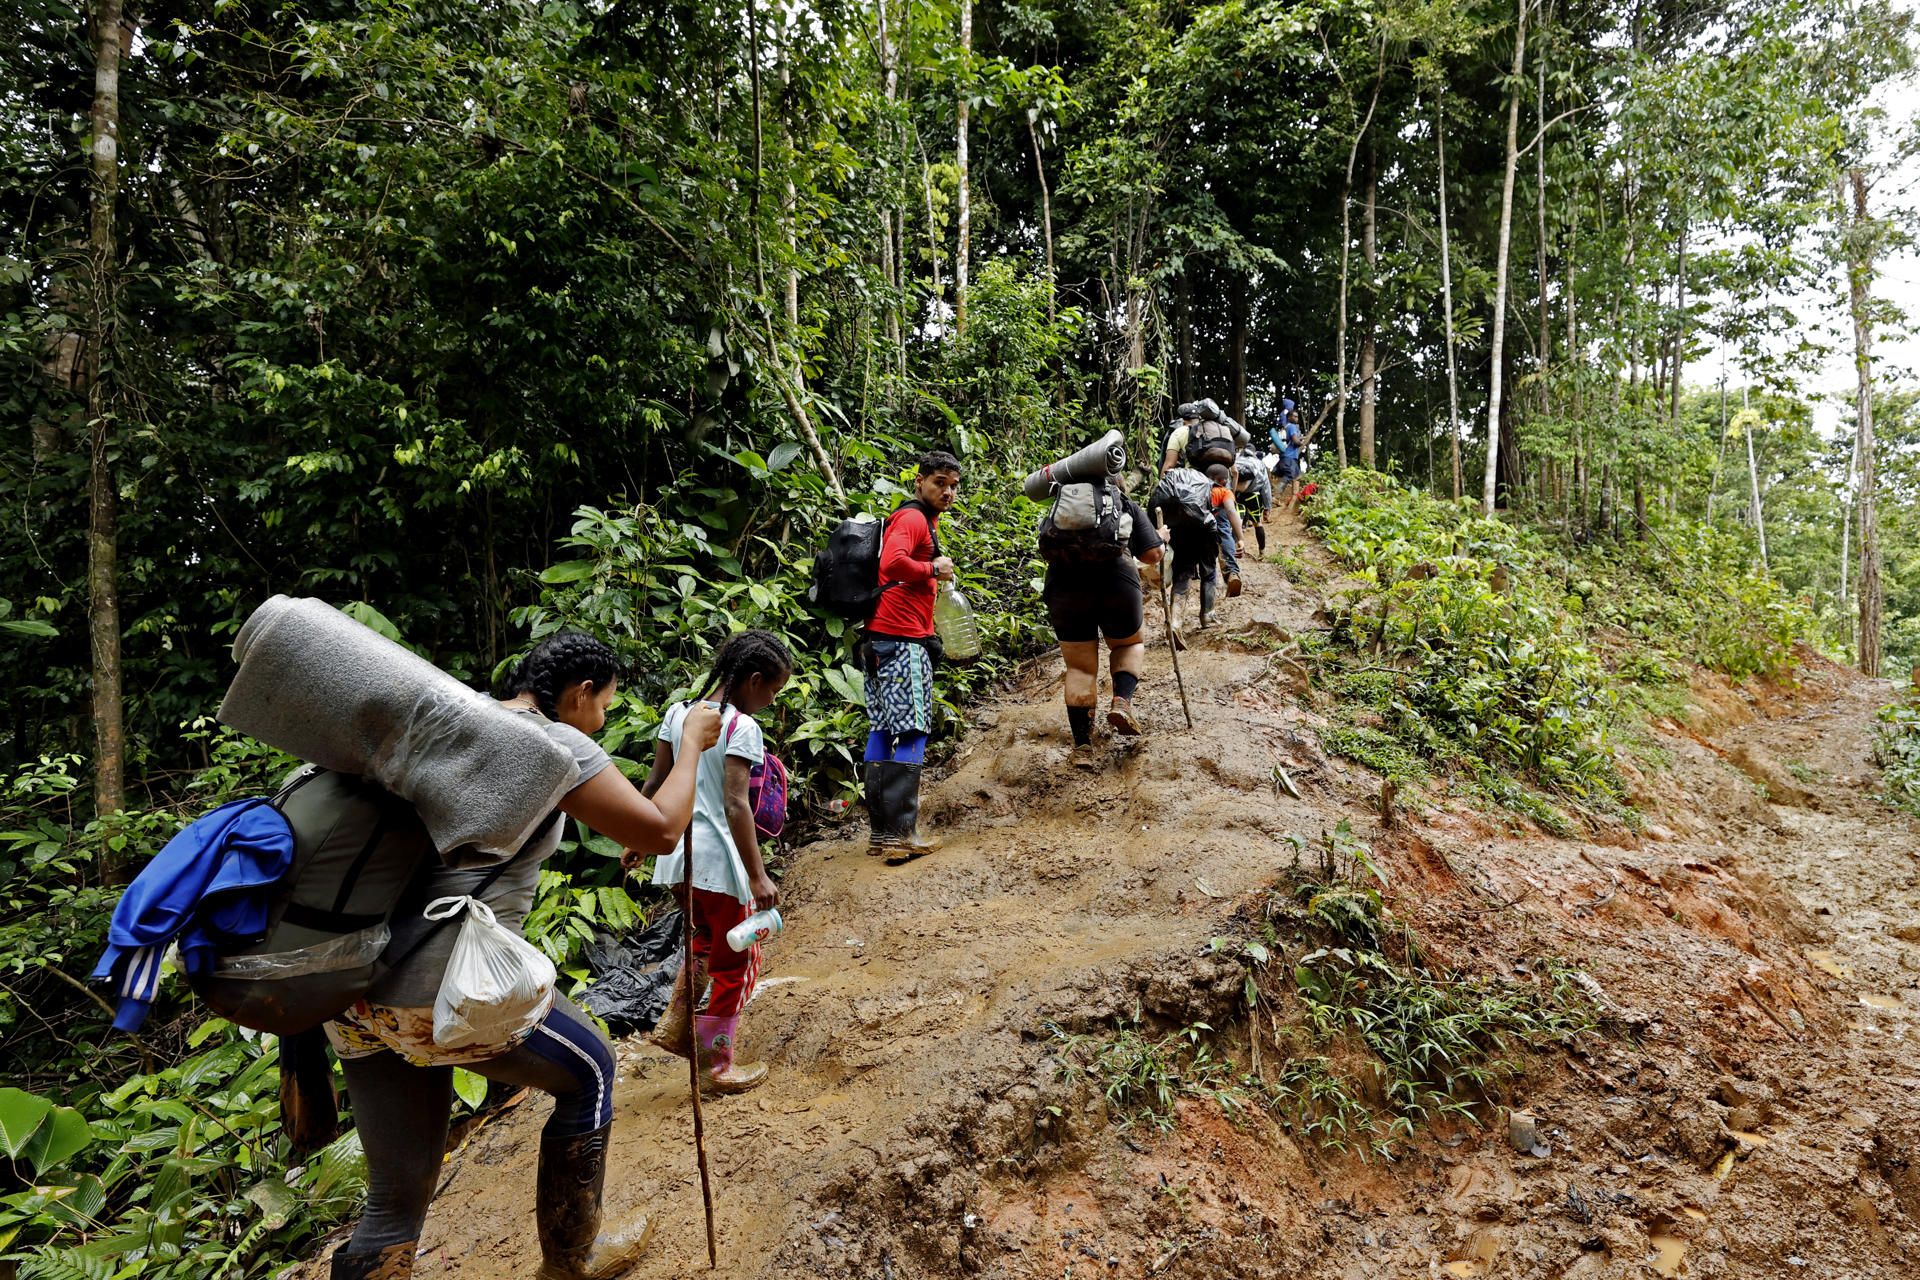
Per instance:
{"type": "Point", "coordinates": [729, 880]}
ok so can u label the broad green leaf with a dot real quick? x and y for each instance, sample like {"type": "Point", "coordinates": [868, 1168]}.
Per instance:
{"type": "Point", "coordinates": [471, 1088]}
{"type": "Point", "coordinates": [20, 1114]}
{"type": "Point", "coordinates": [60, 1136]}
{"type": "Point", "coordinates": [566, 571]}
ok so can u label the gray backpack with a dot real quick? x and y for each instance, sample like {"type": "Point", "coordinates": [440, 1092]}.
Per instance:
{"type": "Point", "coordinates": [1089, 524]}
{"type": "Point", "coordinates": [358, 849]}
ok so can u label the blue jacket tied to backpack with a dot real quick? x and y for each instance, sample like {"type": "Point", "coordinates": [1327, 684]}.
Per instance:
{"type": "Point", "coordinates": [206, 889]}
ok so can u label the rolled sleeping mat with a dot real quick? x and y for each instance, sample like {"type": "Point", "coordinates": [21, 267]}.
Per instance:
{"type": "Point", "coordinates": [320, 686]}
{"type": "Point", "coordinates": [1105, 457]}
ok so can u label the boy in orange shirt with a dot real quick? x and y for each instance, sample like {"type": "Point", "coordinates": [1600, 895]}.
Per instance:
{"type": "Point", "coordinates": [1226, 517]}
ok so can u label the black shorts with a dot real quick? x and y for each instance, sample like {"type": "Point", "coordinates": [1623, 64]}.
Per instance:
{"type": "Point", "coordinates": [1085, 602]}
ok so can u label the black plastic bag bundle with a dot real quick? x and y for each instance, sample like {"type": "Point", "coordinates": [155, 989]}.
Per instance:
{"type": "Point", "coordinates": [633, 976]}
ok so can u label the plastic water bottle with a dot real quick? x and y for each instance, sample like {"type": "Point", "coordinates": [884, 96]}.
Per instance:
{"type": "Point", "coordinates": [953, 619]}
{"type": "Point", "coordinates": [755, 929]}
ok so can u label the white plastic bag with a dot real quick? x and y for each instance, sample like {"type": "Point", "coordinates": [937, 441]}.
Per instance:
{"type": "Point", "coordinates": [497, 984]}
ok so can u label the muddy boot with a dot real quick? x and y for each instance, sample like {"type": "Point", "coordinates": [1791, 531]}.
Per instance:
{"type": "Point", "coordinates": [566, 1205]}
{"type": "Point", "coordinates": [674, 1032]}
{"type": "Point", "coordinates": [1207, 615]}
{"type": "Point", "coordinates": [718, 1074]}
{"type": "Point", "coordinates": [879, 824]}
{"type": "Point", "coordinates": [900, 791]}
{"type": "Point", "coordinates": [395, 1262]}
{"type": "Point", "coordinates": [1085, 756]}
{"type": "Point", "coordinates": [1233, 583]}
{"type": "Point", "coordinates": [1120, 716]}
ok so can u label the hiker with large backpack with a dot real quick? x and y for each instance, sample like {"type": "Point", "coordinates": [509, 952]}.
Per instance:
{"type": "Point", "coordinates": [1203, 436]}
{"type": "Point", "coordinates": [324, 910]}
{"type": "Point", "coordinates": [1183, 502]}
{"type": "Point", "coordinates": [1094, 538]}
{"type": "Point", "coordinates": [728, 880]}
{"type": "Point", "coordinates": [1253, 489]}
{"type": "Point", "coordinates": [400, 1080]}
{"type": "Point", "coordinates": [898, 650]}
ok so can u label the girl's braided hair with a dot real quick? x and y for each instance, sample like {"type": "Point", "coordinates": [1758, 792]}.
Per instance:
{"type": "Point", "coordinates": [751, 652]}
{"type": "Point", "coordinates": [558, 662]}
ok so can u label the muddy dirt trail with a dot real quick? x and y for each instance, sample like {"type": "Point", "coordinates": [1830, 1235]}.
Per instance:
{"type": "Point", "coordinates": [1753, 1112]}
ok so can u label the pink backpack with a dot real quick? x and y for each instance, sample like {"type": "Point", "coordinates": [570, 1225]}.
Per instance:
{"type": "Point", "coordinates": [766, 791]}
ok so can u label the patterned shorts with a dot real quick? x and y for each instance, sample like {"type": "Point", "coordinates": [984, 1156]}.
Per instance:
{"type": "Point", "coordinates": [366, 1029]}
{"type": "Point", "coordinates": [900, 692]}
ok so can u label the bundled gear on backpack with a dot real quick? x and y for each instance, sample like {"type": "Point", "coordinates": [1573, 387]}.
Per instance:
{"type": "Point", "coordinates": [1210, 443]}
{"type": "Point", "coordinates": [1185, 496]}
{"type": "Point", "coordinates": [846, 572]}
{"type": "Point", "coordinates": [1088, 524]}
{"type": "Point", "coordinates": [285, 951]}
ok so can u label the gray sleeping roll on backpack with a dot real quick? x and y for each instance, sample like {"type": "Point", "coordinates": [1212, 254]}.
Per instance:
{"type": "Point", "coordinates": [320, 686]}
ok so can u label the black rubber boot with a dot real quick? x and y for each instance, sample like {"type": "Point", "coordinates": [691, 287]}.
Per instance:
{"type": "Point", "coordinates": [395, 1262]}
{"type": "Point", "coordinates": [900, 799]}
{"type": "Point", "coordinates": [573, 1172]}
{"type": "Point", "coordinates": [879, 824]}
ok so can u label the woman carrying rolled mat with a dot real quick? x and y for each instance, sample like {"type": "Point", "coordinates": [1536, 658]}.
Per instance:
{"type": "Point", "coordinates": [401, 1083]}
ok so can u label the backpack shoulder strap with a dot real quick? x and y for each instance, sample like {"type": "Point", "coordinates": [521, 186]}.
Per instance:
{"type": "Point", "coordinates": [486, 883]}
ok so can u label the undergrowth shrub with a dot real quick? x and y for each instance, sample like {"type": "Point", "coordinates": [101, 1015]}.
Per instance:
{"type": "Point", "coordinates": [1369, 1037]}
{"type": "Point", "coordinates": [1485, 641]}
{"type": "Point", "coordinates": [1896, 749]}
{"type": "Point", "coordinates": [1489, 664]}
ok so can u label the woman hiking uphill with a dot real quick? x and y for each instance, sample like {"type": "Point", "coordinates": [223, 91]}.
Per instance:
{"type": "Point", "coordinates": [898, 654]}
{"type": "Point", "coordinates": [728, 879]}
{"type": "Point", "coordinates": [1090, 540]}
{"type": "Point", "coordinates": [401, 1082]}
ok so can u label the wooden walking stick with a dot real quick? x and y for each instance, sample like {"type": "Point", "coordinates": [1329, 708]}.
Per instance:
{"type": "Point", "coordinates": [693, 1059]}
{"type": "Point", "coordinates": [1166, 616]}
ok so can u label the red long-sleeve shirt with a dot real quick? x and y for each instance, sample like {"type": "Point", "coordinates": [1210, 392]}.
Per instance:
{"type": "Point", "coordinates": [906, 557]}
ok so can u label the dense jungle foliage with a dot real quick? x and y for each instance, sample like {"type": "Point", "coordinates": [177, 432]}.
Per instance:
{"type": "Point", "coordinates": [485, 319]}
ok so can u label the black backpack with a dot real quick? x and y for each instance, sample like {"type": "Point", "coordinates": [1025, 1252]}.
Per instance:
{"type": "Point", "coordinates": [1088, 524]}
{"type": "Point", "coordinates": [1208, 443]}
{"type": "Point", "coordinates": [1185, 497]}
{"type": "Point", "coordinates": [358, 850]}
{"type": "Point", "coordinates": [846, 573]}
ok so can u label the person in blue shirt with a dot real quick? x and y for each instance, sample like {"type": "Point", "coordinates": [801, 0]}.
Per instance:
{"type": "Point", "coordinates": [1287, 438]}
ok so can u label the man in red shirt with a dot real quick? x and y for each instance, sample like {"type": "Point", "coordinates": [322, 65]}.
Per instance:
{"type": "Point", "coordinates": [898, 652]}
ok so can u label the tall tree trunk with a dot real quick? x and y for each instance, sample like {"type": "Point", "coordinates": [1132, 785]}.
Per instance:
{"type": "Point", "coordinates": [1494, 387]}
{"type": "Point", "coordinates": [1862, 248]}
{"type": "Point", "coordinates": [1679, 328]}
{"type": "Point", "coordinates": [103, 621]}
{"type": "Point", "coordinates": [1540, 212]}
{"type": "Point", "coordinates": [1720, 453]}
{"type": "Point", "coordinates": [1046, 210]}
{"type": "Point", "coordinates": [1342, 390]}
{"type": "Point", "coordinates": [965, 210]}
{"type": "Point", "coordinates": [1846, 534]}
{"type": "Point", "coordinates": [1446, 292]}
{"type": "Point", "coordinates": [790, 208]}
{"type": "Point", "coordinates": [890, 270]}
{"type": "Point", "coordinates": [1754, 510]}
{"type": "Point", "coordinates": [933, 228]}
{"type": "Point", "coordinates": [759, 147]}
{"type": "Point", "coordinates": [1369, 354]}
